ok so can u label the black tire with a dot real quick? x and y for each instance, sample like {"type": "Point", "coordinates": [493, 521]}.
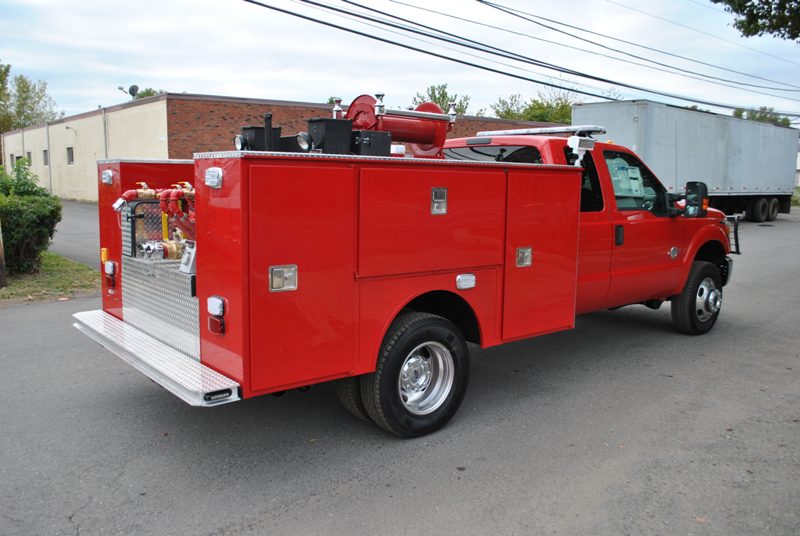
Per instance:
{"type": "Point", "coordinates": [436, 361]}
{"type": "Point", "coordinates": [348, 391]}
{"type": "Point", "coordinates": [774, 207]}
{"type": "Point", "coordinates": [759, 209]}
{"type": "Point", "coordinates": [696, 308]}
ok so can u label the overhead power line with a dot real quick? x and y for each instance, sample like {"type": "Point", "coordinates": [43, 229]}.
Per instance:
{"type": "Point", "coordinates": [423, 51]}
{"type": "Point", "coordinates": [701, 31]}
{"type": "Point", "coordinates": [508, 55]}
{"type": "Point", "coordinates": [453, 49]}
{"type": "Point", "coordinates": [619, 40]}
{"type": "Point", "coordinates": [475, 45]}
{"type": "Point", "coordinates": [667, 68]}
{"type": "Point", "coordinates": [707, 6]}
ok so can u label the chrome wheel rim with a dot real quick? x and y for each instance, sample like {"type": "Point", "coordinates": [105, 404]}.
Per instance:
{"type": "Point", "coordinates": [708, 300]}
{"type": "Point", "coordinates": [426, 378]}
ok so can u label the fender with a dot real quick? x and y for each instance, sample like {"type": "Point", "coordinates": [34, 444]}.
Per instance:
{"type": "Point", "coordinates": [387, 300]}
{"type": "Point", "coordinates": [711, 231]}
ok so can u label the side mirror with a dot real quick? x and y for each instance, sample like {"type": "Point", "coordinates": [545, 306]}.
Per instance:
{"type": "Point", "coordinates": [696, 199]}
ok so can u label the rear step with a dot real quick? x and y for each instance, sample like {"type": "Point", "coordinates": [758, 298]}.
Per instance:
{"type": "Point", "coordinates": [189, 380]}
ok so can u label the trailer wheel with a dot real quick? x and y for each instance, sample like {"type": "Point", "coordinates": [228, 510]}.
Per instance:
{"type": "Point", "coordinates": [420, 378]}
{"type": "Point", "coordinates": [774, 207]}
{"type": "Point", "coordinates": [759, 210]}
{"type": "Point", "coordinates": [696, 308]}
{"type": "Point", "coordinates": [348, 391]}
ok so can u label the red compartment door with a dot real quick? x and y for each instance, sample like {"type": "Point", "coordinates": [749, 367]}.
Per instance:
{"type": "Point", "coordinates": [543, 216]}
{"type": "Point", "coordinates": [302, 215]}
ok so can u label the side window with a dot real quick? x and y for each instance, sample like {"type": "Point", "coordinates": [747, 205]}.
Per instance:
{"type": "Point", "coordinates": [591, 193]}
{"type": "Point", "coordinates": [635, 187]}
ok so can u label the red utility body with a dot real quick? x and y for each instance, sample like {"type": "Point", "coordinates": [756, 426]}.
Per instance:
{"type": "Point", "coordinates": [308, 265]}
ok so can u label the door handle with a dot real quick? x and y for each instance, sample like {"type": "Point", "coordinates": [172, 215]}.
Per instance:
{"type": "Point", "coordinates": [619, 235]}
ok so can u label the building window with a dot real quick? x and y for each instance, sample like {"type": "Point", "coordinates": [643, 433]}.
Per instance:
{"type": "Point", "coordinates": [11, 160]}
{"type": "Point", "coordinates": [70, 156]}
{"type": "Point", "coordinates": [46, 157]}
{"type": "Point", "coordinates": [28, 156]}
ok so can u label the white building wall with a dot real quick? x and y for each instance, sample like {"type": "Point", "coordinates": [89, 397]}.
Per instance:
{"type": "Point", "coordinates": [137, 130]}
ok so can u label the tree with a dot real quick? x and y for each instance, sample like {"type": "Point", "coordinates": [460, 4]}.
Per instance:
{"type": "Point", "coordinates": [148, 92]}
{"type": "Point", "coordinates": [6, 120]}
{"type": "Point", "coordinates": [552, 106]}
{"type": "Point", "coordinates": [780, 18]}
{"type": "Point", "coordinates": [511, 108]}
{"type": "Point", "coordinates": [440, 95]}
{"type": "Point", "coordinates": [763, 115]}
{"type": "Point", "coordinates": [25, 102]}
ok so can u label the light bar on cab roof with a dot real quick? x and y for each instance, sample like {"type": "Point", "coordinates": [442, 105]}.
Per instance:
{"type": "Point", "coordinates": [578, 130]}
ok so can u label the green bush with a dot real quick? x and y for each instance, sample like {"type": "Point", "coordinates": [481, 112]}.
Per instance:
{"type": "Point", "coordinates": [28, 217]}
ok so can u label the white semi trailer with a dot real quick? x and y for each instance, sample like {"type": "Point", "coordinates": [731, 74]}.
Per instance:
{"type": "Point", "coordinates": [748, 166]}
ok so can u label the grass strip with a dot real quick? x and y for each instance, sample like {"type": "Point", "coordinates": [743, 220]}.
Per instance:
{"type": "Point", "coordinates": [58, 278]}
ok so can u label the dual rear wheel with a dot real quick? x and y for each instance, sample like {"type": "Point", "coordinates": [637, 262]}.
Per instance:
{"type": "Point", "coordinates": [420, 378]}
{"type": "Point", "coordinates": [764, 209]}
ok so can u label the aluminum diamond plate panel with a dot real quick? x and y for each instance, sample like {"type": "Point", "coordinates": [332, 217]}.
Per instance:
{"type": "Point", "coordinates": [190, 380]}
{"type": "Point", "coordinates": [145, 218]}
{"type": "Point", "coordinates": [157, 298]}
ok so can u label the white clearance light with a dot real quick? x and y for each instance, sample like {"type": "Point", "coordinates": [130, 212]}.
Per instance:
{"type": "Point", "coordinates": [108, 267]}
{"type": "Point", "coordinates": [107, 177]}
{"type": "Point", "coordinates": [213, 177]}
{"type": "Point", "coordinates": [465, 281]}
{"type": "Point", "coordinates": [215, 306]}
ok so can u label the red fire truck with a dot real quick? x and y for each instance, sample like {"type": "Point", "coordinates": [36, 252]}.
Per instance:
{"type": "Point", "coordinates": [338, 254]}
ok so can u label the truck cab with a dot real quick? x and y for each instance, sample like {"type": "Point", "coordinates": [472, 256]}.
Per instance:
{"type": "Point", "coordinates": [635, 245]}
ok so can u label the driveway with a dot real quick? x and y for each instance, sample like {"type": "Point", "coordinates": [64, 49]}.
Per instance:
{"type": "Point", "coordinates": [621, 426]}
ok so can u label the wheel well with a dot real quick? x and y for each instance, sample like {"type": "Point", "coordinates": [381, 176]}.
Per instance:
{"type": "Point", "coordinates": [714, 253]}
{"type": "Point", "coordinates": [452, 307]}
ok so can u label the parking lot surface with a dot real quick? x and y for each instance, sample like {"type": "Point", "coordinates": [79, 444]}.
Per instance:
{"type": "Point", "coordinates": [621, 426]}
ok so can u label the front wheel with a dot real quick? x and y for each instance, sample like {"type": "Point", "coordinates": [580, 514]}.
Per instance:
{"type": "Point", "coordinates": [696, 308]}
{"type": "Point", "coordinates": [420, 378]}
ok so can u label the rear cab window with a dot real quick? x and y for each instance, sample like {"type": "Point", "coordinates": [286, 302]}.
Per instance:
{"type": "Point", "coordinates": [591, 192]}
{"type": "Point", "coordinates": [523, 154]}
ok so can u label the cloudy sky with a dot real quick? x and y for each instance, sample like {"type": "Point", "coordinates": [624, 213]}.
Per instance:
{"type": "Point", "coordinates": [85, 49]}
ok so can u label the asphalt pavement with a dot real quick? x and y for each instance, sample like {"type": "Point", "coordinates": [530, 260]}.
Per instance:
{"type": "Point", "coordinates": [621, 426]}
{"type": "Point", "coordinates": [76, 234]}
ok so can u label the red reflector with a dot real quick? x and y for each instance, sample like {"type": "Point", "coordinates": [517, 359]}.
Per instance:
{"type": "Point", "coordinates": [216, 325]}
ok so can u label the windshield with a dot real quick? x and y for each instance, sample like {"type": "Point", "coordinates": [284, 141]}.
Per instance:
{"type": "Point", "coordinates": [496, 153]}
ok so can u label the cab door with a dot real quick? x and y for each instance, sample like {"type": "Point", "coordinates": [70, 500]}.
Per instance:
{"type": "Point", "coordinates": [595, 242]}
{"type": "Point", "coordinates": [648, 243]}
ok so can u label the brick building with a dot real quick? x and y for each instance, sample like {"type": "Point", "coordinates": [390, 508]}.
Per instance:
{"type": "Point", "coordinates": [64, 153]}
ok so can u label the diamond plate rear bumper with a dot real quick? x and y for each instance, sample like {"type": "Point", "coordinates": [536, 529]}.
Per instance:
{"type": "Point", "coordinates": [189, 380]}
